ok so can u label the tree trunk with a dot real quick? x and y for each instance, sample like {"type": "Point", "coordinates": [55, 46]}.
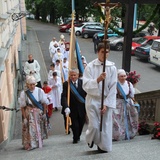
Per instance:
{"type": "Point", "coordinates": [158, 32]}
{"type": "Point", "coordinates": [52, 16]}
{"type": "Point", "coordinates": [37, 13]}
{"type": "Point", "coordinates": [123, 15]}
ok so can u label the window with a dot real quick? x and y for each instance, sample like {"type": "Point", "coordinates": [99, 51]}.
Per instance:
{"type": "Point", "coordinates": [156, 46]}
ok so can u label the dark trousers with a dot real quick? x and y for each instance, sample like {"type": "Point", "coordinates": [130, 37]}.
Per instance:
{"type": "Point", "coordinates": [77, 127]}
{"type": "Point", "coordinates": [95, 47]}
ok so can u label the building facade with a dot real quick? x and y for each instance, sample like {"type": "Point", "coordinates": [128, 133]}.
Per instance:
{"type": "Point", "coordinates": [11, 34]}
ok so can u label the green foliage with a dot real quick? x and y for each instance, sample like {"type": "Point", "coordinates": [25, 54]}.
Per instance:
{"type": "Point", "coordinates": [150, 18]}
{"type": "Point", "coordinates": [85, 9]}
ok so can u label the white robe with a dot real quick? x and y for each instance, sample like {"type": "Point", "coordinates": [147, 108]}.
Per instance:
{"type": "Point", "coordinates": [50, 73]}
{"type": "Point", "coordinates": [66, 54]}
{"type": "Point", "coordinates": [57, 56]}
{"type": "Point", "coordinates": [34, 67]}
{"type": "Point", "coordinates": [93, 102]}
{"type": "Point", "coordinates": [50, 76]}
{"type": "Point", "coordinates": [51, 47]}
{"type": "Point", "coordinates": [56, 92]}
{"type": "Point", "coordinates": [65, 70]}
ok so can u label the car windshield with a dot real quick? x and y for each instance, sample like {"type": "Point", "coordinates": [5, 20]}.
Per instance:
{"type": "Point", "coordinates": [146, 45]}
{"type": "Point", "coordinates": [141, 40]}
{"type": "Point", "coordinates": [80, 25]}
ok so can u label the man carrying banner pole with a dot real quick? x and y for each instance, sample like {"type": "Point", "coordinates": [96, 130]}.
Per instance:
{"type": "Point", "coordinates": [69, 95]}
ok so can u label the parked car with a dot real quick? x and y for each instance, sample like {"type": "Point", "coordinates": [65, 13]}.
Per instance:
{"type": "Point", "coordinates": [141, 41]}
{"type": "Point", "coordinates": [110, 33]}
{"type": "Point", "coordinates": [155, 53]}
{"type": "Point", "coordinates": [66, 26]}
{"type": "Point", "coordinates": [140, 34]}
{"type": "Point", "coordinates": [143, 51]}
{"type": "Point", "coordinates": [78, 29]}
{"type": "Point", "coordinates": [117, 42]}
{"type": "Point", "coordinates": [90, 30]}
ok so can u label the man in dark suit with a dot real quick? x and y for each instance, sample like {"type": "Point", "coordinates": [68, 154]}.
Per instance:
{"type": "Point", "coordinates": [76, 109]}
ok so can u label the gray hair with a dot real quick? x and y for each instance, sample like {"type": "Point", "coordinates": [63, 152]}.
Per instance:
{"type": "Point", "coordinates": [76, 70]}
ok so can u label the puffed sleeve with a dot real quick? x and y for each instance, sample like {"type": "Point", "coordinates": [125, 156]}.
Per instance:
{"type": "Point", "coordinates": [22, 99]}
{"type": "Point", "coordinates": [43, 97]}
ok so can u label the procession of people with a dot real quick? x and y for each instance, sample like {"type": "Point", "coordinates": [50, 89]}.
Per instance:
{"type": "Point", "coordinates": [78, 96]}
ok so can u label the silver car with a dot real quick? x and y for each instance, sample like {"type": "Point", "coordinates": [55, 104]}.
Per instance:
{"type": "Point", "coordinates": [117, 42]}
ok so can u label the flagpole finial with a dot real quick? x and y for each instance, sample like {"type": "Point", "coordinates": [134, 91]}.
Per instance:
{"type": "Point", "coordinates": [73, 14]}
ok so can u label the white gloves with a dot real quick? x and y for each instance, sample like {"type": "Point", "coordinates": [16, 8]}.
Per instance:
{"type": "Point", "coordinates": [44, 116]}
{"type": "Point", "coordinates": [25, 121]}
{"type": "Point", "coordinates": [67, 111]}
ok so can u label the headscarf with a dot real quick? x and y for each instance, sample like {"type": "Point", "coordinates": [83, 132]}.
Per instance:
{"type": "Point", "coordinates": [31, 80]}
{"type": "Point", "coordinates": [121, 72]}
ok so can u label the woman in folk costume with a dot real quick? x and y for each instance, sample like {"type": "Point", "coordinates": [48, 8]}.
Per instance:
{"type": "Point", "coordinates": [92, 83]}
{"type": "Point", "coordinates": [33, 104]}
{"type": "Point", "coordinates": [125, 116]}
{"type": "Point", "coordinates": [56, 84]}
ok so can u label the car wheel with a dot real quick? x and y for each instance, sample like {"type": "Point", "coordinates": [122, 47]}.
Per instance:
{"type": "Point", "coordinates": [85, 35]}
{"type": "Point", "coordinates": [67, 30]}
{"type": "Point", "coordinates": [119, 46]}
{"type": "Point", "coordinates": [78, 33]}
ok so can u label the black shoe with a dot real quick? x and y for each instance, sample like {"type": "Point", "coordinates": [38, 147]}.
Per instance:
{"type": "Point", "coordinates": [78, 139]}
{"type": "Point", "coordinates": [75, 141]}
{"type": "Point", "coordinates": [56, 109]}
{"type": "Point", "coordinates": [68, 132]}
{"type": "Point", "coordinates": [91, 146]}
{"type": "Point", "coordinates": [100, 150]}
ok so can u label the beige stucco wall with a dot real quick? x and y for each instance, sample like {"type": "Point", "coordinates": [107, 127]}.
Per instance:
{"type": "Point", "coordinates": [10, 40]}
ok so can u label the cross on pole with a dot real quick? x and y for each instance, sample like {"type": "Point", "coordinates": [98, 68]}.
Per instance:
{"type": "Point", "coordinates": [108, 7]}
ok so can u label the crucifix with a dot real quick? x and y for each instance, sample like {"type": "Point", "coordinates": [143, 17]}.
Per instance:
{"type": "Point", "coordinates": [107, 12]}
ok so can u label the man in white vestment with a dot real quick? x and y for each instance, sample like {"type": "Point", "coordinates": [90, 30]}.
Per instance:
{"type": "Point", "coordinates": [65, 69]}
{"type": "Point", "coordinates": [58, 55]}
{"type": "Point", "coordinates": [32, 68]}
{"type": "Point", "coordinates": [92, 84]}
{"type": "Point", "coordinates": [51, 44]}
{"type": "Point", "coordinates": [53, 50]}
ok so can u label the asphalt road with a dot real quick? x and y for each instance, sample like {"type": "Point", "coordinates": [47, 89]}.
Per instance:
{"type": "Point", "coordinates": [150, 75]}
